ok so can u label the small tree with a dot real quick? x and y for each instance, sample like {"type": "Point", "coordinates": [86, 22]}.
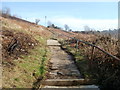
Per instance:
{"type": "Point", "coordinates": [70, 30]}
{"type": "Point", "coordinates": [66, 27]}
{"type": "Point", "coordinates": [86, 28]}
{"type": "Point", "coordinates": [53, 26]}
{"type": "Point", "coordinates": [37, 21]}
{"type": "Point", "coordinates": [6, 11]}
{"type": "Point", "coordinates": [49, 23]}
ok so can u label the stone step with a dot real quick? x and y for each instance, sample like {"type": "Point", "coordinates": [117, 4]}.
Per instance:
{"type": "Point", "coordinates": [67, 82]}
{"type": "Point", "coordinates": [81, 87]}
{"type": "Point", "coordinates": [53, 43]}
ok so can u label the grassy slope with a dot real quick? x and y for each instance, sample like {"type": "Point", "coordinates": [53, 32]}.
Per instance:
{"type": "Point", "coordinates": [26, 69]}
{"type": "Point", "coordinates": [101, 67]}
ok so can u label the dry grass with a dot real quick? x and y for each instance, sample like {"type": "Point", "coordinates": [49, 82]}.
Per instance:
{"type": "Point", "coordinates": [97, 65]}
{"type": "Point", "coordinates": [20, 62]}
{"type": "Point", "coordinates": [102, 67]}
{"type": "Point", "coordinates": [25, 33]}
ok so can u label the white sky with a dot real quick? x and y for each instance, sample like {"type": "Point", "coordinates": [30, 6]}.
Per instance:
{"type": "Point", "coordinates": [78, 24]}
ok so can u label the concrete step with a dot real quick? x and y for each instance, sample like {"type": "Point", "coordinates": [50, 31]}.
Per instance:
{"type": "Point", "coordinates": [81, 87]}
{"type": "Point", "coordinates": [53, 43]}
{"type": "Point", "coordinates": [67, 82]}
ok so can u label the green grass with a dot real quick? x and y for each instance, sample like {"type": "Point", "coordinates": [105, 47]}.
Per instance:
{"type": "Point", "coordinates": [27, 65]}
{"type": "Point", "coordinates": [81, 61]}
{"type": "Point", "coordinates": [16, 79]}
{"type": "Point", "coordinates": [33, 63]}
{"type": "Point", "coordinates": [28, 68]}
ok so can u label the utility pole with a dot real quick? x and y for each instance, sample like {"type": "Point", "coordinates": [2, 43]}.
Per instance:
{"type": "Point", "coordinates": [45, 21]}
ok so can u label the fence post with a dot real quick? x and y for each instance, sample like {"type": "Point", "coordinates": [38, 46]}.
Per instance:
{"type": "Point", "coordinates": [77, 46]}
{"type": "Point", "coordinates": [92, 53]}
{"type": "Point", "coordinates": [92, 56]}
{"type": "Point", "coordinates": [68, 41]}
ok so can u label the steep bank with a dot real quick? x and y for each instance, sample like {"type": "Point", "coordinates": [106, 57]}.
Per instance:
{"type": "Point", "coordinates": [23, 52]}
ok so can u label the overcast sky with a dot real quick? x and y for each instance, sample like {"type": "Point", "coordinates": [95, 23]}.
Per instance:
{"type": "Point", "coordinates": [97, 15]}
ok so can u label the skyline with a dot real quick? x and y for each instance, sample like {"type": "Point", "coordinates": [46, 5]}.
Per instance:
{"type": "Point", "coordinates": [96, 15]}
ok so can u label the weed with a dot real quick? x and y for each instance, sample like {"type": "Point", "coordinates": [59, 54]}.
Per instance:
{"type": "Point", "coordinates": [17, 79]}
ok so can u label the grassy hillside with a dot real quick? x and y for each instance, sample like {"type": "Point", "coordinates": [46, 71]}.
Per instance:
{"type": "Point", "coordinates": [93, 63]}
{"type": "Point", "coordinates": [24, 53]}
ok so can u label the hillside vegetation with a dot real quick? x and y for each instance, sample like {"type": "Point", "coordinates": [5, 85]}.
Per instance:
{"type": "Point", "coordinates": [24, 52]}
{"type": "Point", "coordinates": [93, 63]}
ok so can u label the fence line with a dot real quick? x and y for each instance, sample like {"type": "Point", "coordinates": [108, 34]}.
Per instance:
{"type": "Point", "coordinates": [89, 44]}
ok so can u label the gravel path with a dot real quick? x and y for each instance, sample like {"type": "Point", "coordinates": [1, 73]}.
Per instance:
{"type": "Point", "coordinates": [62, 65]}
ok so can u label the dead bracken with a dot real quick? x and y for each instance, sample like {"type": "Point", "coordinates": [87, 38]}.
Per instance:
{"type": "Point", "coordinates": [15, 44]}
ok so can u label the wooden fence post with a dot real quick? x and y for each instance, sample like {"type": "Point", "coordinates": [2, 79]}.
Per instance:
{"type": "Point", "coordinates": [92, 53]}
{"type": "Point", "coordinates": [68, 41]}
{"type": "Point", "coordinates": [92, 57]}
{"type": "Point", "coordinates": [77, 46]}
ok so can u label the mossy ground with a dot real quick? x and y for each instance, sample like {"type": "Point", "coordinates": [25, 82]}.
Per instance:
{"type": "Point", "coordinates": [81, 61]}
